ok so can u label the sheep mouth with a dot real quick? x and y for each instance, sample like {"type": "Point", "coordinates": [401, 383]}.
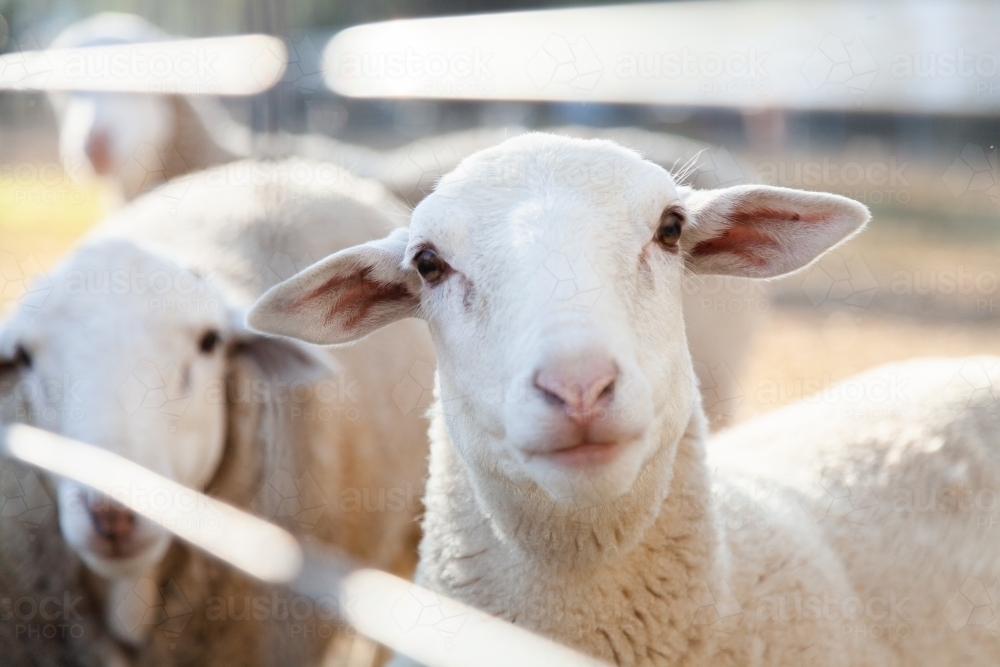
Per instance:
{"type": "Point", "coordinates": [120, 552]}
{"type": "Point", "coordinates": [584, 454]}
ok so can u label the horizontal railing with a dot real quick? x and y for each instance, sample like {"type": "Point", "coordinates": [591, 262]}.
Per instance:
{"type": "Point", "coordinates": [273, 555]}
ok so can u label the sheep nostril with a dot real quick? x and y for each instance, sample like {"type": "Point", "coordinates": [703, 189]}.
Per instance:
{"type": "Point", "coordinates": [550, 396]}
{"type": "Point", "coordinates": [111, 521]}
{"type": "Point", "coordinates": [608, 391]}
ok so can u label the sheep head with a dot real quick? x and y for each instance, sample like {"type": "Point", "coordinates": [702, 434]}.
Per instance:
{"type": "Point", "coordinates": [119, 135]}
{"type": "Point", "coordinates": [125, 348]}
{"type": "Point", "coordinates": [549, 270]}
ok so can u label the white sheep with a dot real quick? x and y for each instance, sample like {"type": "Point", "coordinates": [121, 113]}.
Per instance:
{"type": "Point", "coordinates": [569, 487]}
{"type": "Point", "coordinates": [137, 345]}
{"type": "Point", "coordinates": [140, 140]}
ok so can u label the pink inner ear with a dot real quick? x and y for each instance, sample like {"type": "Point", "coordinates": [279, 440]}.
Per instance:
{"type": "Point", "coordinates": [747, 234]}
{"type": "Point", "coordinates": [355, 296]}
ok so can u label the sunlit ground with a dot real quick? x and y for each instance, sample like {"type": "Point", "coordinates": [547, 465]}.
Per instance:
{"type": "Point", "coordinates": [40, 218]}
{"type": "Point", "coordinates": [797, 354]}
{"type": "Point", "coordinates": [894, 292]}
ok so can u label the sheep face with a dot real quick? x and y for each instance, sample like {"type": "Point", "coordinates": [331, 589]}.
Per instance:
{"type": "Point", "coordinates": [549, 270]}
{"type": "Point", "coordinates": [125, 351]}
{"type": "Point", "coordinates": [125, 137]}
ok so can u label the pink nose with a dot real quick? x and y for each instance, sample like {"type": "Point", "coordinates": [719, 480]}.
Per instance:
{"type": "Point", "coordinates": [98, 150]}
{"type": "Point", "coordinates": [111, 521]}
{"type": "Point", "coordinates": [580, 385]}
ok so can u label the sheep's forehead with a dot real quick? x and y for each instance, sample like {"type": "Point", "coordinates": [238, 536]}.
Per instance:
{"type": "Point", "coordinates": [120, 291]}
{"type": "Point", "coordinates": [545, 189]}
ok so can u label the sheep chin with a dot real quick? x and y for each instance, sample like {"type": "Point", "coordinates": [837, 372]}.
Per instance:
{"type": "Point", "coordinates": [132, 566]}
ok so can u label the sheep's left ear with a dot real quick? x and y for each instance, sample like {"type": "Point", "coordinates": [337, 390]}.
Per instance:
{"type": "Point", "coordinates": [12, 359]}
{"type": "Point", "coordinates": [283, 359]}
{"type": "Point", "coordinates": [760, 231]}
{"type": "Point", "coordinates": [344, 297]}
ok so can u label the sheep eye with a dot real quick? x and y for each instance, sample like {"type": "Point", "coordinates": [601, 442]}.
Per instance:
{"type": "Point", "coordinates": [431, 267]}
{"type": "Point", "coordinates": [668, 234]}
{"type": "Point", "coordinates": [22, 358]}
{"type": "Point", "coordinates": [208, 341]}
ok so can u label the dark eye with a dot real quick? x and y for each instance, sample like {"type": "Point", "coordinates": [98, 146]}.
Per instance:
{"type": "Point", "coordinates": [668, 234]}
{"type": "Point", "coordinates": [22, 358]}
{"type": "Point", "coordinates": [430, 266]}
{"type": "Point", "coordinates": [208, 341]}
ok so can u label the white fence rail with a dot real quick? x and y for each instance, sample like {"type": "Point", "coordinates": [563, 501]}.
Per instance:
{"type": "Point", "coordinates": [271, 554]}
{"type": "Point", "coordinates": [240, 65]}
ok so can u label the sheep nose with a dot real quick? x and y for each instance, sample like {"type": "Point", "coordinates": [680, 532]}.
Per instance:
{"type": "Point", "coordinates": [98, 150]}
{"type": "Point", "coordinates": [111, 520]}
{"type": "Point", "coordinates": [578, 385]}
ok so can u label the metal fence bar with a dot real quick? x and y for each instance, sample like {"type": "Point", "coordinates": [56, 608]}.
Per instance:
{"type": "Point", "coordinates": [366, 596]}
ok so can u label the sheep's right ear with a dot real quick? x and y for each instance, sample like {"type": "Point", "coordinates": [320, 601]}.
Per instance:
{"type": "Point", "coordinates": [344, 297]}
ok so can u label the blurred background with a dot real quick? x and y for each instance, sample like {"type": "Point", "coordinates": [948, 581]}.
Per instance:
{"type": "Point", "coordinates": [924, 279]}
